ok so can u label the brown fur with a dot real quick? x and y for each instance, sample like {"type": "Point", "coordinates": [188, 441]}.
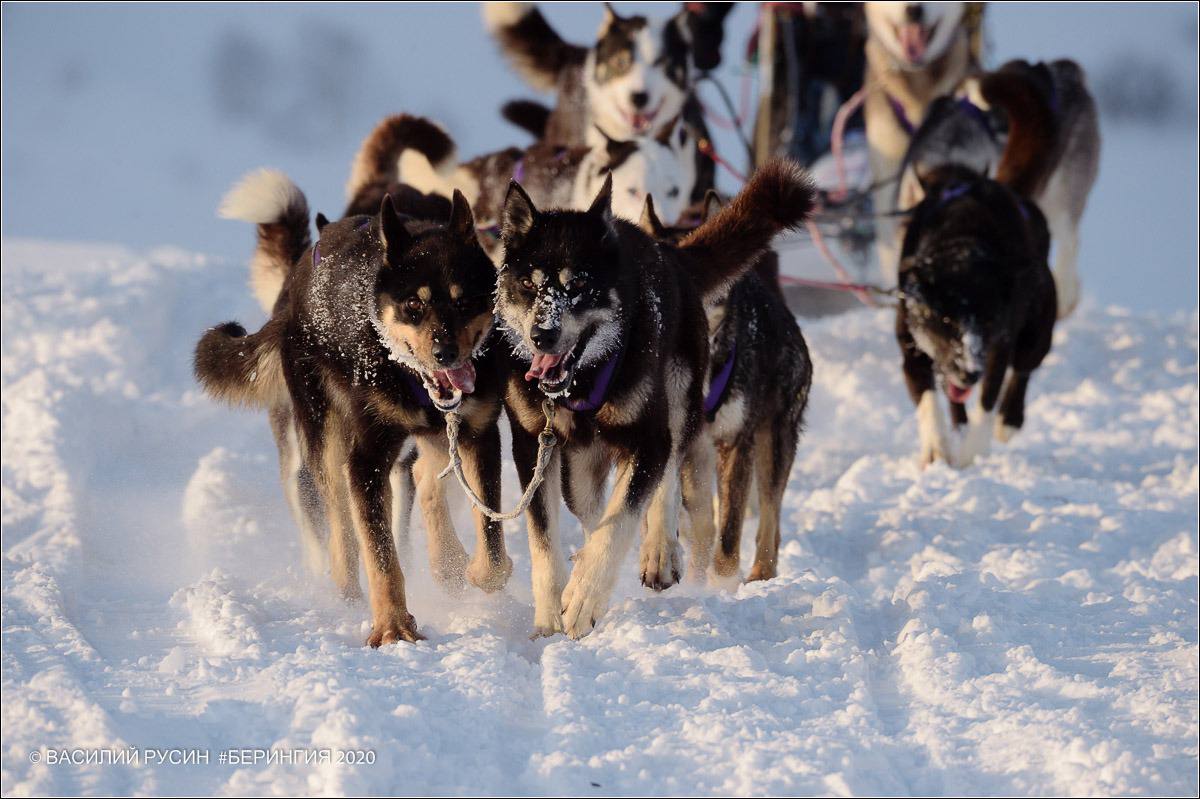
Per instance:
{"type": "Point", "coordinates": [1033, 129]}
{"type": "Point", "coordinates": [376, 158]}
{"type": "Point", "coordinates": [779, 194]}
{"type": "Point", "coordinates": [241, 369]}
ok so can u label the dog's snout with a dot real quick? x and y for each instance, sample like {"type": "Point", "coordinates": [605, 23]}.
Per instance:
{"type": "Point", "coordinates": [544, 338]}
{"type": "Point", "coordinates": [639, 99]}
{"type": "Point", "coordinates": [915, 13]}
{"type": "Point", "coordinates": [971, 378]}
{"type": "Point", "coordinates": [445, 350]}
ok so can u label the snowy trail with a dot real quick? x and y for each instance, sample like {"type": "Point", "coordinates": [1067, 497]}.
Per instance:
{"type": "Point", "coordinates": [1026, 626]}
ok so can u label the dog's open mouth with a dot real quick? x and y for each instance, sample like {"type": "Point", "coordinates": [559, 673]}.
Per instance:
{"type": "Point", "coordinates": [957, 393]}
{"type": "Point", "coordinates": [553, 372]}
{"type": "Point", "coordinates": [446, 387]}
{"type": "Point", "coordinates": [641, 121]}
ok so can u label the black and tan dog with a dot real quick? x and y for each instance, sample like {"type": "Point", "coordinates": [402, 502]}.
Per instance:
{"type": "Point", "coordinates": [978, 306]}
{"type": "Point", "coordinates": [379, 327]}
{"type": "Point", "coordinates": [611, 324]}
{"type": "Point", "coordinates": [757, 386]}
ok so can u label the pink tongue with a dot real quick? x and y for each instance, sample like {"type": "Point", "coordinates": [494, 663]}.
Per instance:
{"type": "Point", "coordinates": [957, 394]}
{"type": "Point", "coordinates": [912, 39]}
{"type": "Point", "coordinates": [462, 378]}
{"type": "Point", "coordinates": [542, 365]}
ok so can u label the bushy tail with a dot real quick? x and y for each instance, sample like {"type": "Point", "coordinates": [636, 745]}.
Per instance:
{"type": "Point", "coordinates": [267, 198]}
{"type": "Point", "coordinates": [241, 369]}
{"type": "Point", "coordinates": [536, 51]}
{"type": "Point", "coordinates": [528, 115]}
{"type": "Point", "coordinates": [378, 159]}
{"type": "Point", "coordinates": [779, 196]}
{"type": "Point", "coordinates": [1025, 95]}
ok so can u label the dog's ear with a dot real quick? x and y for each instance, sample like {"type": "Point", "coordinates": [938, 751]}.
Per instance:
{"type": "Point", "coordinates": [650, 221]}
{"type": "Point", "coordinates": [602, 205]}
{"type": "Point", "coordinates": [462, 221]}
{"type": "Point", "coordinates": [610, 16]}
{"type": "Point", "coordinates": [392, 233]}
{"type": "Point", "coordinates": [322, 221]}
{"type": "Point", "coordinates": [518, 216]}
{"type": "Point", "coordinates": [710, 205]}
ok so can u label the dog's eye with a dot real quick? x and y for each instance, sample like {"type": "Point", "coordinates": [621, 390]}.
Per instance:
{"type": "Point", "coordinates": [633, 192]}
{"type": "Point", "coordinates": [414, 305]}
{"type": "Point", "coordinates": [622, 61]}
{"type": "Point", "coordinates": [674, 192]}
{"type": "Point", "coordinates": [577, 283]}
{"type": "Point", "coordinates": [527, 284]}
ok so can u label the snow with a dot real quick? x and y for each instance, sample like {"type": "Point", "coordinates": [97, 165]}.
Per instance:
{"type": "Point", "coordinates": [1027, 626]}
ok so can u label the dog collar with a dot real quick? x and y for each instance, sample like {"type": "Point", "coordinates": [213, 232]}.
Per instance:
{"type": "Point", "coordinates": [718, 389]}
{"type": "Point", "coordinates": [901, 115]}
{"type": "Point", "coordinates": [953, 192]}
{"type": "Point", "coordinates": [599, 392]}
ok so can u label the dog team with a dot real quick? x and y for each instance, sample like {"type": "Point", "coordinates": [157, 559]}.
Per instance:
{"type": "Point", "coordinates": [627, 321]}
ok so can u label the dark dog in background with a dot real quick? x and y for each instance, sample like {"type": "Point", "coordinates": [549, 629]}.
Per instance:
{"type": "Point", "coordinates": [977, 307]}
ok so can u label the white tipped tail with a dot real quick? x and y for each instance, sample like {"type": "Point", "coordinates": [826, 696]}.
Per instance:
{"type": "Point", "coordinates": [263, 197]}
{"type": "Point", "coordinates": [269, 199]}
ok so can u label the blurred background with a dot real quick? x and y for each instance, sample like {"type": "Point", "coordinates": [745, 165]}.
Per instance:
{"type": "Point", "coordinates": [126, 123]}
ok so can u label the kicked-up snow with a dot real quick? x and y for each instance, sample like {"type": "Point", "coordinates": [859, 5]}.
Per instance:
{"type": "Point", "coordinates": [1024, 626]}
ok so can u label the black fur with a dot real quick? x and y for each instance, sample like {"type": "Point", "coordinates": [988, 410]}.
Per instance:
{"type": "Point", "coordinates": [974, 261]}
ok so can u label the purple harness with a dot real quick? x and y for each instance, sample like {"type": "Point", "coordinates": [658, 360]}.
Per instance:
{"type": "Point", "coordinates": [719, 388]}
{"type": "Point", "coordinates": [901, 116]}
{"type": "Point", "coordinates": [599, 392]}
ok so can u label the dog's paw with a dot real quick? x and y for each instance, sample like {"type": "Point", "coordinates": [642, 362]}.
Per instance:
{"type": "Point", "coordinates": [396, 626]}
{"type": "Point", "coordinates": [761, 571]}
{"type": "Point", "coordinates": [488, 576]}
{"type": "Point", "coordinates": [660, 562]}
{"type": "Point", "coordinates": [726, 568]}
{"type": "Point", "coordinates": [585, 598]}
{"type": "Point", "coordinates": [726, 582]}
{"type": "Point", "coordinates": [1004, 432]}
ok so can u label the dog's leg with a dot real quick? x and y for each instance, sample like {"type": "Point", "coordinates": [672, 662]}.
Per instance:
{"type": "Point", "coordinates": [735, 464]}
{"type": "Point", "coordinates": [368, 475]}
{"type": "Point", "coordinates": [697, 478]}
{"type": "Point", "coordinates": [595, 573]}
{"type": "Point", "coordinates": [918, 377]}
{"type": "Point", "coordinates": [1012, 407]}
{"type": "Point", "coordinates": [300, 490]}
{"type": "Point", "coordinates": [774, 451]}
{"type": "Point", "coordinates": [1065, 235]}
{"type": "Point", "coordinates": [404, 493]}
{"type": "Point", "coordinates": [447, 558]}
{"type": "Point", "coordinates": [981, 414]}
{"type": "Point", "coordinates": [547, 566]}
{"type": "Point", "coordinates": [585, 475]}
{"type": "Point", "coordinates": [343, 545]}
{"type": "Point", "coordinates": [491, 567]}
{"type": "Point", "coordinates": [958, 414]}
{"type": "Point", "coordinates": [660, 566]}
